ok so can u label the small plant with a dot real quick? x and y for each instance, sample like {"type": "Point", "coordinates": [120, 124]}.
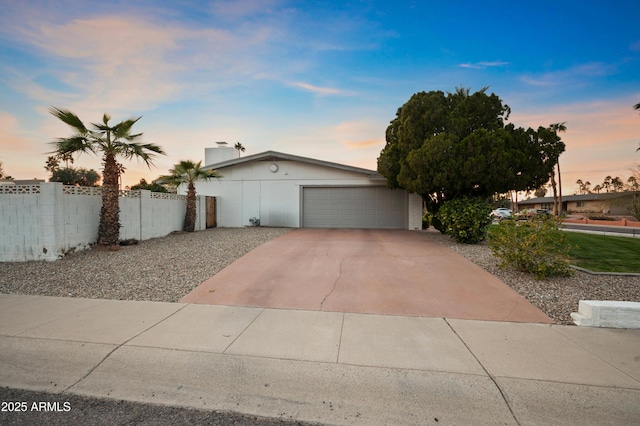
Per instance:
{"type": "Point", "coordinates": [465, 219]}
{"type": "Point", "coordinates": [425, 222]}
{"type": "Point", "coordinates": [536, 246]}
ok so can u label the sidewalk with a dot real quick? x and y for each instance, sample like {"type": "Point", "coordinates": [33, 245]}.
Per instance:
{"type": "Point", "coordinates": [328, 367]}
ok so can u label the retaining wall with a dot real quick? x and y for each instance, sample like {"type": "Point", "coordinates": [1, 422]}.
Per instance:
{"type": "Point", "coordinates": [621, 222]}
{"type": "Point", "coordinates": [45, 221]}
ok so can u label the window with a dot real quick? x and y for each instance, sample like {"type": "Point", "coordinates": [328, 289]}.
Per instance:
{"type": "Point", "coordinates": [580, 204]}
{"type": "Point", "coordinates": [547, 206]}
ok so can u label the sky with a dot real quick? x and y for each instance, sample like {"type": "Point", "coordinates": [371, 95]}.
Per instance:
{"type": "Point", "coordinates": [320, 79]}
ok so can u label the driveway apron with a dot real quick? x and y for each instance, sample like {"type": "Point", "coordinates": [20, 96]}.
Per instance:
{"type": "Point", "coordinates": [393, 272]}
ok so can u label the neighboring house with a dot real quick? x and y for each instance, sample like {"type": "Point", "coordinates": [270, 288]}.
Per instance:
{"type": "Point", "coordinates": [287, 190]}
{"type": "Point", "coordinates": [611, 203]}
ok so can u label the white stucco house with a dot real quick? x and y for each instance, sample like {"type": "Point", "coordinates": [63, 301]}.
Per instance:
{"type": "Point", "coordinates": [284, 190]}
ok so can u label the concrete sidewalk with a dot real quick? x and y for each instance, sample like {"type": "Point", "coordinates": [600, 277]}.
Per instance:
{"type": "Point", "coordinates": [328, 367]}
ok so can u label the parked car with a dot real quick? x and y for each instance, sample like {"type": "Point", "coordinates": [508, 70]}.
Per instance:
{"type": "Point", "coordinates": [501, 213]}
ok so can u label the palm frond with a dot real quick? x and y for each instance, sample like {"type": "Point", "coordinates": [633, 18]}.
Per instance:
{"type": "Point", "coordinates": [68, 118]}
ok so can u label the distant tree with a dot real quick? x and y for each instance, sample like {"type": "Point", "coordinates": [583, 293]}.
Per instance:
{"type": "Point", "coordinates": [77, 177]}
{"type": "Point", "coordinates": [633, 184]}
{"type": "Point", "coordinates": [584, 187]}
{"type": "Point", "coordinates": [153, 186]}
{"type": "Point", "coordinates": [597, 189]}
{"type": "Point", "coordinates": [52, 164]}
{"type": "Point", "coordinates": [188, 172]}
{"type": "Point", "coordinates": [448, 146]}
{"type": "Point", "coordinates": [112, 142]}
{"type": "Point", "coordinates": [2, 173]}
{"type": "Point", "coordinates": [616, 184]}
{"type": "Point", "coordinates": [637, 107]}
{"type": "Point", "coordinates": [238, 146]}
{"type": "Point", "coordinates": [540, 192]}
{"type": "Point", "coordinates": [606, 184]}
{"type": "Point", "coordinates": [557, 128]}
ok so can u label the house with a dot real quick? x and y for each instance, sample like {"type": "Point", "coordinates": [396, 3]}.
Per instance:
{"type": "Point", "coordinates": [284, 190]}
{"type": "Point", "coordinates": [611, 203]}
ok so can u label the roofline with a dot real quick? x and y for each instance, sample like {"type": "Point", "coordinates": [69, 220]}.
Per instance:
{"type": "Point", "coordinates": [281, 155]}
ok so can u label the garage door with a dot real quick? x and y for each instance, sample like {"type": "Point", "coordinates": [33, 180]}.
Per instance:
{"type": "Point", "coordinates": [359, 207]}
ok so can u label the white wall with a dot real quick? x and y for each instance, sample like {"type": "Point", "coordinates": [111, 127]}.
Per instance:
{"type": "Point", "coordinates": [251, 189]}
{"type": "Point", "coordinates": [43, 222]}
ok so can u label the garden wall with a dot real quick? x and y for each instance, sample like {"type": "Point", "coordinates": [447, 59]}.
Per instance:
{"type": "Point", "coordinates": [45, 221]}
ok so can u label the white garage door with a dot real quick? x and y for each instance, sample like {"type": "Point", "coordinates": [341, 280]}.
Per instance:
{"type": "Point", "coordinates": [353, 207]}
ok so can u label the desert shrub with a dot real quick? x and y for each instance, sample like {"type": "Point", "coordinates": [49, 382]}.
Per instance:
{"type": "Point", "coordinates": [465, 219]}
{"type": "Point", "coordinates": [536, 246]}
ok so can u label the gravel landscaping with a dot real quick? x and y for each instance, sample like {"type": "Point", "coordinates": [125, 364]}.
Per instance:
{"type": "Point", "coordinates": [166, 269]}
{"type": "Point", "coordinates": [557, 297]}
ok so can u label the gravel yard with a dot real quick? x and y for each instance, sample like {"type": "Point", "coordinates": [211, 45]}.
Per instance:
{"type": "Point", "coordinates": [165, 269]}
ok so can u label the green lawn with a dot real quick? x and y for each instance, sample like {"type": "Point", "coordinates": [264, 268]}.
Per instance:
{"type": "Point", "coordinates": [600, 253]}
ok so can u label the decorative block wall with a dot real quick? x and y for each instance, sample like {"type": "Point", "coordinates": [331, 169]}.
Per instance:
{"type": "Point", "coordinates": [43, 222]}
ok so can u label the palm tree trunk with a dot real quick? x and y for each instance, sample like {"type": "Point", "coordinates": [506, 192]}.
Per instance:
{"type": "Point", "coordinates": [559, 188]}
{"type": "Point", "coordinates": [555, 193]}
{"type": "Point", "coordinates": [190, 215]}
{"type": "Point", "coordinates": [109, 229]}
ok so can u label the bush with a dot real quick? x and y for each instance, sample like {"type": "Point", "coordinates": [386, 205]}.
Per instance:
{"type": "Point", "coordinates": [425, 222]}
{"type": "Point", "coordinates": [435, 221]}
{"type": "Point", "coordinates": [600, 217]}
{"type": "Point", "coordinates": [465, 219]}
{"type": "Point", "coordinates": [536, 246]}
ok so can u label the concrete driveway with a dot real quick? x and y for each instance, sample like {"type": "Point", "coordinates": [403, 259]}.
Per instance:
{"type": "Point", "coordinates": [394, 272]}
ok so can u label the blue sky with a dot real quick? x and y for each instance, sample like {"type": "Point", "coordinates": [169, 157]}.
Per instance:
{"type": "Point", "coordinates": [318, 79]}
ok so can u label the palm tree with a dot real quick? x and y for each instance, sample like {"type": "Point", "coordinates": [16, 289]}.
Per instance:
{"type": "Point", "coordinates": [637, 106]}
{"type": "Point", "coordinates": [111, 142]}
{"type": "Point", "coordinates": [239, 147]}
{"type": "Point", "coordinates": [187, 172]}
{"type": "Point", "coordinates": [556, 128]}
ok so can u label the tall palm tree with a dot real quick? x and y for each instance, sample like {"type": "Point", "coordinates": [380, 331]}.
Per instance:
{"type": "Point", "coordinates": [556, 128]}
{"type": "Point", "coordinates": [111, 142]}
{"type": "Point", "coordinates": [637, 106]}
{"type": "Point", "coordinates": [187, 172]}
{"type": "Point", "coordinates": [238, 146]}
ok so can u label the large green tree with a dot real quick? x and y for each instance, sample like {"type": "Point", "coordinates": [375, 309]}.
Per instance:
{"type": "Point", "coordinates": [188, 173]}
{"type": "Point", "coordinates": [111, 142]}
{"type": "Point", "coordinates": [450, 145]}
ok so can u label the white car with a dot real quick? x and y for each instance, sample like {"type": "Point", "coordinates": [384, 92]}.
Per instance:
{"type": "Point", "coordinates": [501, 213]}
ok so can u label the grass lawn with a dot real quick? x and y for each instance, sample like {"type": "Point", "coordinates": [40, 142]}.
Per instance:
{"type": "Point", "coordinates": [601, 253]}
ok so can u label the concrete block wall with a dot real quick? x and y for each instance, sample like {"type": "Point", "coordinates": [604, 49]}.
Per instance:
{"type": "Point", "coordinates": [43, 222]}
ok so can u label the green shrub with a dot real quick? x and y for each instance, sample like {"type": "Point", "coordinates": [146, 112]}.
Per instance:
{"type": "Point", "coordinates": [536, 246]}
{"type": "Point", "coordinates": [425, 222]}
{"type": "Point", "coordinates": [435, 221]}
{"type": "Point", "coordinates": [465, 219]}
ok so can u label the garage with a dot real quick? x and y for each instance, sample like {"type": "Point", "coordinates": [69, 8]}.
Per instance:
{"type": "Point", "coordinates": [354, 207]}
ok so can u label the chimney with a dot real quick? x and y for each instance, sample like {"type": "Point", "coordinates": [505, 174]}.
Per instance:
{"type": "Point", "coordinates": [222, 152]}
